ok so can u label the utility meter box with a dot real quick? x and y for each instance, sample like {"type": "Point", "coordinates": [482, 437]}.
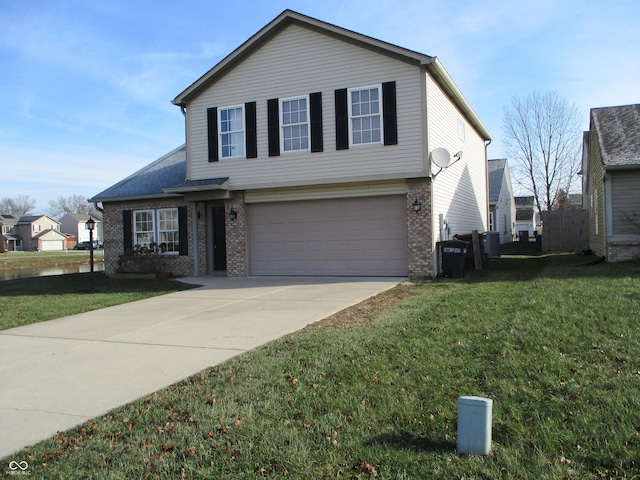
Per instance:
{"type": "Point", "coordinates": [474, 425]}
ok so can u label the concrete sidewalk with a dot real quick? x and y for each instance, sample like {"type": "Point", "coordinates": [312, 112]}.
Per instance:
{"type": "Point", "coordinates": [58, 374]}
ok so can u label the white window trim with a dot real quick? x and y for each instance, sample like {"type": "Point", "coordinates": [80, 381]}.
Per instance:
{"type": "Point", "coordinates": [155, 218]}
{"type": "Point", "coordinates": [158, 231]}
{"type": "Point", "coordinates": [349, 107]}
{"type": "Point", "coordinates": [221, 133]}
{"type": "Point", "coordinates": [282, 125]}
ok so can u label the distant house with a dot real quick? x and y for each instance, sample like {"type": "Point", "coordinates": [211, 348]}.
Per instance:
{"type": "Point", "coordinates": [75, 224]}
{"type": "Point", "coordinates": [31, 232]}
{"type": "Point", "coordinates": [308, 152]}
{"type": "Point", "coordinates": [611, 181]}
{"type": "Point", "coordinates": [502, 206]}
{"type": "Point", "coordinates": [527, 216]}
{"type": "Point", "coordinates": [9, 239]}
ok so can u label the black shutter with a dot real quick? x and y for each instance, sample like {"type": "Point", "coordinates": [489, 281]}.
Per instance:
{"type": "Point", "coordinates": [183, 232]}
{"type": "Point", "coordinates": [315, 112]}
{"type": "Point", "coordinates": [389, 115]}
{"type": "Point", "coordinates": [127, 233]}
{"type": "Point", "coordinates": [212, 132]}
{"type": "Point", "coordinates": [251, 142]}
{"type": "Point", "coordinates": [273, 127]}
{"type": "Point", "coordinates": [342, 120]}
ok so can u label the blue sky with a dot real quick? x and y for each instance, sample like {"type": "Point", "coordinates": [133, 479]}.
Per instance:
{"type": "Point", "coordinates": [88, 84]}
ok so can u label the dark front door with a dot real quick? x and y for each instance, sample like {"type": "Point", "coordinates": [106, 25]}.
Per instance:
{"type": "Point", "coordinates": [219, 239]}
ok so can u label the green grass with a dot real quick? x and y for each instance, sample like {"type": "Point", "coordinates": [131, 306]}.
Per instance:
{"type": "Point", "coordinates": [554, 343]}
{"type": "Point", "coordinates": [11, 260]}
{"type": "Point", "coordinates": [31, 300]}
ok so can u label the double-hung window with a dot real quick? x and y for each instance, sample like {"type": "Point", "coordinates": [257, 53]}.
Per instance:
{"type": "Point", "coordinates": [157, 229]}
{"type": "Point", "coordinates": [294, 121]}
{"type": "Point", "coordinates": [168, 231]}
{"type": "Point", "coordinates": [144, 228]}
{"type": "Point", "coordinates": [231, 128]}
{"type": "Point", "coordinates": [365, 115]}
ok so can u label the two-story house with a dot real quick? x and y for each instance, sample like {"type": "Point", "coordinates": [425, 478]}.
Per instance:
{"type": "Point", "coordinates": [9, 241]}
{"type": "Point", "coordinates": [611, 181]}
{"type": "Point", "coordinates": [39, 232]}
{"type": "Point", "coordinates": [308, 152]}
{"type": "Point", "coordinates": [502, 205]}
{"type": "Point", "coordinates": [75, 224]}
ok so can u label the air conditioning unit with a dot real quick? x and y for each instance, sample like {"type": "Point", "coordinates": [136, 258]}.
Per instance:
{"type": "Point", "coordinates": [492, 245]}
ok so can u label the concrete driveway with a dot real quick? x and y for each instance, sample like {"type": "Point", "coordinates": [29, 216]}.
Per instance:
{"type": "Point", "coordinates": [58, 374]}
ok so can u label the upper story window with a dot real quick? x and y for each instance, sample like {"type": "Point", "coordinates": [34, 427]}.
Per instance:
{"type": "Point", "coordinates": [231, 128]}
{"type": "Point", "coordinates": [294, 121]}
{"type": "Point", "coordinates": [365, 115]}
{"type": "Point", "coordinates": [36, 228]}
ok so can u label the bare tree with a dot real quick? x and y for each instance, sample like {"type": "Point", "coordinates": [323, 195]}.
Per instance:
{"type": "Point", "coordinates": [19, 205]}
{"type": "Point", "coordinates": [542, 135]}
{"type": "Point", "coordinates": [71, 204]}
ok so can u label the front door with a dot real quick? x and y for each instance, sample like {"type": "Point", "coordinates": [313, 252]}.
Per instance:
{"type": "Point", "coordinates": [219, 239]}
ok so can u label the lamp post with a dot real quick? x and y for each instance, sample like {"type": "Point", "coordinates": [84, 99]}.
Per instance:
{"type": "Point", "coordinates": [90, 226]}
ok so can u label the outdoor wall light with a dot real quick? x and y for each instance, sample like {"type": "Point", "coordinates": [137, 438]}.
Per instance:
{"type": "Point", "coordinates": [233, 215]}
{"type": "Point", "coordinates": [417, 205]}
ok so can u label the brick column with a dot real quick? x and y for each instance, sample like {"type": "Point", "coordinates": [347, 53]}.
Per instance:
{"type": "Point", "coordinates": [201, 218]}
{"type": "Point", "coordinates": [420, 229]}
{"type": "Point", "coordinates": [236, 231]}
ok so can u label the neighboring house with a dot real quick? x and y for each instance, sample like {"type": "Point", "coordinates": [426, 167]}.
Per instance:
{"type": "Point", "coordinates": [502, 205]}
{"type": "Point", "coordinates": [76, 224]}
{"type": "Point", "coordinates": [527, 217]}
{"type": "Point", "coordinates": [32, 232]}
{"type": "Point", "coordinates": [9, 239]}
{"type": "Point", "coordinates": [308, 153]}
{"type": "Point", "coordinates": [611, 181]}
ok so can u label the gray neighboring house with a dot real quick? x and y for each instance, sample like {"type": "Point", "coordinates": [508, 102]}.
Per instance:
{"type": "Point", "coordinates": [76, 224]}
{"type": "Point", "coordinates": [502, 205]}
{"type": "Point", "coordinates": [9, 239]}
{"type": "Point", "coordinates": [611, 181]}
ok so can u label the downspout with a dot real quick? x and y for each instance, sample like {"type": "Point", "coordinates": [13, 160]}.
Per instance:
{"type": "Point", "coordinates": [486, 172]}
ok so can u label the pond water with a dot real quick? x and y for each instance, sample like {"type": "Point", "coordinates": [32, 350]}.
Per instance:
{"type": "Point", "coordinates": [30, 272]}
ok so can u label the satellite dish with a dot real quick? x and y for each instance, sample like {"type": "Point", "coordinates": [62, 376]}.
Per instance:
{"type": "Point", "coordinates": [440, 157]}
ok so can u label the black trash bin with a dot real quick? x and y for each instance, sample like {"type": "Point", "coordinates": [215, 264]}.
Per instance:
{"type": "Point", "coordinates": [452, 253]}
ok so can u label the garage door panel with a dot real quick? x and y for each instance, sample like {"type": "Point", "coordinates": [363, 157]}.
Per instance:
{"type": "Point", "coordinates": [362, 236]}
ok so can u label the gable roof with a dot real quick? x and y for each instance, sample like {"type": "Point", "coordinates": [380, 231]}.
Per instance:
{"type": "Point", "coordinates": [289, 17]}
{"type": "Point", "coordinates": [26, 219]}
{"type": "Point", "coordinates": [149, 182]}
{"type": "Point", "coordinates": [496, 175]}
{"type": "Point", "coordinates": [618, 133]}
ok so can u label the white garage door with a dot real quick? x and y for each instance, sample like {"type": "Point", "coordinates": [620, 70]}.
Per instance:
{"type": "Point", "coordinates": [358, 236]}
{"type": "Point", "coordinates": [50, 245]}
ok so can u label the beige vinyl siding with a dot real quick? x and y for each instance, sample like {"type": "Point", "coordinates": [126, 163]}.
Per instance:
{"type": "Point", "coordinates": [460, 191]}
{"type": "Point", "coordinates": [625, 199]}
{"type": "Point", "coordinates": [299, 61]}
{"type": "Point", "coordinates": [320, 192]}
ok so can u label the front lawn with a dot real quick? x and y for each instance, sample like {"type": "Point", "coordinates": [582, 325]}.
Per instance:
{"type": "Point", "coordinates": [555, 344]}
{"type": "Point", "coordinates": [10, 260]}
{"type": "Point", "coordinates": [30, 300]}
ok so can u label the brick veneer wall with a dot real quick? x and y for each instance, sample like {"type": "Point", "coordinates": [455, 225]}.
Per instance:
{"type": "Point", "coordinates": [236, 231]}
{"type": "Point", "coordinates": [420, 229]}
{"type": "Point", "coordinates": [179, 265]}
{"type": "Point", "coordinates": [623, 250]}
